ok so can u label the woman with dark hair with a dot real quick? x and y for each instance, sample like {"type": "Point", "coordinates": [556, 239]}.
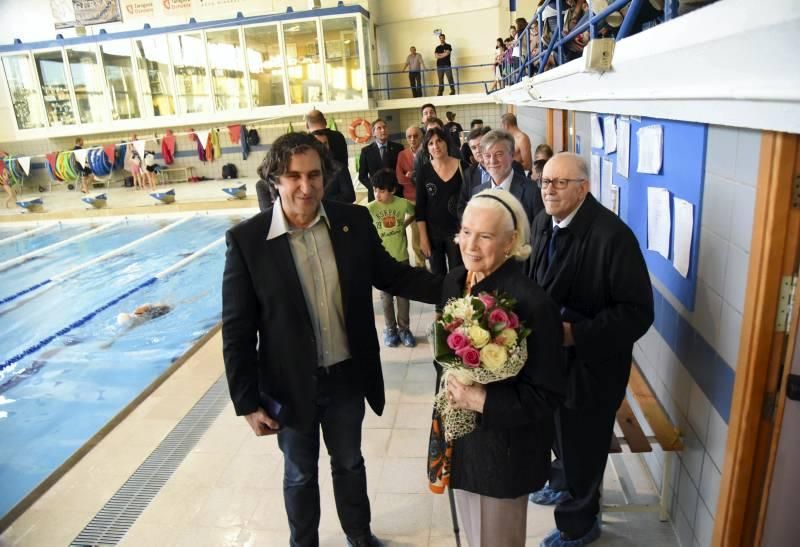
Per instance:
{"type": "Point", "coordinates": [438, 186]}
{"type": "Point", "coordinates": [499, 55]}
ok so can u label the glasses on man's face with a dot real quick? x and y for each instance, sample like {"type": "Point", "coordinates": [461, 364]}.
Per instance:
{"type": "Point", "coordinates": [558, 184]}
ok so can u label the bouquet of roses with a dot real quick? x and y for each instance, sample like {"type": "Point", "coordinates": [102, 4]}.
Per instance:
{"type": "Point", "coordinates": [478, 339]}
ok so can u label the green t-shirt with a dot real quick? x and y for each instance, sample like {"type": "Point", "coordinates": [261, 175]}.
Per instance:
{"type": "Point", "coordinates": [389, 220]}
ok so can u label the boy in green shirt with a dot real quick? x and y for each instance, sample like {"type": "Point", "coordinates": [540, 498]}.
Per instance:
{"type": "Point", "coordinates": [391, 215]}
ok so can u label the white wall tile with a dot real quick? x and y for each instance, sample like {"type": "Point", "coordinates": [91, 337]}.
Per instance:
{"type": "Point", "coordinates": [703, 525]}
{"type": "Point", "coordinates": [687, 495]}
{"type": "Point", "coordinates": [744, 198]}
{"type": "Point", "coordinates": [730, 334]}
{"type": "Point", "coordinates": [709, 484]}
{"type": "Point", "coordinates": [748, 156]}
{"type": "Point", "coordinates": [699, 408]}
{"type": "Point", "coordinates": [683, 529]}
{"type": "Point", "coordinates": [707, 315]}
{"type": "Point", "coordinates": [717, 437]}
{"type": "Point", "coordinates": [681, 389]}
{"type": "Point", "coordinates": [713, 259]}
{"type": "Point", "coordinates": [717, 205]}
{"type": "Point", "coordinates": [720, 158]}
{"type": "Point", "coordinates": [693, 450]}
{"type": "Point", "coordinates": [736, 277]}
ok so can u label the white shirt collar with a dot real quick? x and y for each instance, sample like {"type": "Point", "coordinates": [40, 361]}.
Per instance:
{"type": "Point", "coordinates": [280, 224]}
{"type": "Point", "coordinates": [564, 223]}
{"type": "Point", "coordinates": [505, 184]}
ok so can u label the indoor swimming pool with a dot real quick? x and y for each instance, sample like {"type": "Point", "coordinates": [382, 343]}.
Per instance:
{"type": "Point", "coordinates": [67, 364]}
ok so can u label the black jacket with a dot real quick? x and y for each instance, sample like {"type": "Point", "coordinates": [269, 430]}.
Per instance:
{"type": "Point", "coordinates": [337, 145]}
{"type": "Point", "coordinates": [339, 186]}
{"type": "Point", "coordinates": [508, 455]}
{"type": "Point", "coordinates": [601, 285]}
{"type": "Point", "coordinates": [370, 162]}
{"type": "Point", "coordinates": [267, 335]}
{"type": "Point", "coordinates": [521, 188]}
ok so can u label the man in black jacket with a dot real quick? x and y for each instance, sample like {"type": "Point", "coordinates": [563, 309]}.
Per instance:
{"type": "Point", "coordinates": [590, 264]}
{"type": "Point", "coordinates": [315, 121]}
{"type": "Point", "coordinates": [298, 331]}
{"type": "Point", "coordinates": [380, 154]}
{"type": "Point", "coordinates": [338, 183]}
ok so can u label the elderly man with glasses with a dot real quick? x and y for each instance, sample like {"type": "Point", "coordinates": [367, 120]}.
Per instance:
{"type": "Point", "coordinates": [590, 264]}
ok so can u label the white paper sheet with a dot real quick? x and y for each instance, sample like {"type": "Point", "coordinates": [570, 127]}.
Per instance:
{"type": "Point", "coordinates": [614, 194]}
{"type": "Point", "coordinates": [623, 146]}
{"type": "Point", "coordinates": [594, 176]}
{"type": "Point", "coordinates": [610, 132]}
{"type": "Point", "coordinates": [651, 146]}
{"type": "Point", "coordinates": [597, 133]}
{"type": "Point", "coordinates": [684, 227]}
{"type": "Point", "coordinates": [658, 221]}
{"type": "Point", "coordinates": [607, 181]}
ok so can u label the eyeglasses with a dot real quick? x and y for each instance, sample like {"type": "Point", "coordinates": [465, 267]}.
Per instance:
{"type": "Point", "coordinates": [558, 184]}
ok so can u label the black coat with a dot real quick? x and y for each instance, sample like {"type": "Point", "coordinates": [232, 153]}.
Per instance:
{"type": "Point", "coordinates": [521, 188]}
{"type": "Point", "coordinates": [601, 284]}
{"type": "Point", "coordinates": [370, 163]}
{"type": "Point", "coordinates": [508, 455]}
{"type": "Point", "coordinates": [267, 334]}
{"type": "Point", "coordinates": [337, 145]}
{"type": "Point", "coordinates": [339, 186]}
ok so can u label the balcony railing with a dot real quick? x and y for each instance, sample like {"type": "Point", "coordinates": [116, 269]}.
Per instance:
{"type": "Point", "coordinates": [395, 84]}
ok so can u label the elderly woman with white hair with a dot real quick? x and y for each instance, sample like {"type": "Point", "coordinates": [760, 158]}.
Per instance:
{"type": "Point", "coordinates": [508, 455]}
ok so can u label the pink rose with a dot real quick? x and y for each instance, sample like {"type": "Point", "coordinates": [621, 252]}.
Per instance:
{"type": "Point", "coordinates": [487, 299]}
{"type": "Point", "coordinates": [470, 356]}
{"type": "Point", "coordinates": [513, 321]}
{"type": "Point", "coordinates": [498, 316]}
{"type": "Point", "coordinates": [450, 327]}
{"type": "Point", "coordinates": [457, 341]}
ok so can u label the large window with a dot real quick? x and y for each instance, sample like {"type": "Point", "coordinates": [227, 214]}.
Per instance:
{"type": "Point", "coordinates": [120, 79]}
{"type": "Point", "coordinates": [265, 64]}
{"type": "Point", "coordinates": [342, 65]}
{"type": "Point", "coordinates": [189, 63]}
{"type": "Point", "coordinates": [303, 62]}
{"type": "Point", "coordinates": [55, 91]}
{"type": "Point", "coordinates": [87, 80]}
{"type": "Point", "coordinates": [152, 61]}
{"type": "Point", "coordinates": [226, 59]}
{"type": "Point", "coordinates": [25, 100]}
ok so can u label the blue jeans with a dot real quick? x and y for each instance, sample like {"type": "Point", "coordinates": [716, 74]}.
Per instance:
{"type": "Point", "coordinates": [340, 412]}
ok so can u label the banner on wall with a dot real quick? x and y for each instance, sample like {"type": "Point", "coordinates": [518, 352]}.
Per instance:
{"type": "Point", "coordinates": [148, 11]}
{"type": "Point", "coordinates": [81, 13]}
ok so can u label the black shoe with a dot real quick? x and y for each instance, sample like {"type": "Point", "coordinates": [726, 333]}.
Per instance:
{"type": "Point", "coordinates": [367, 541]}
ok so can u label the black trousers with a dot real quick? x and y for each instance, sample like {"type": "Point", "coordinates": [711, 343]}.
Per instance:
{"type": "Point", "coordinates": [441, 73]}
{"type": "Point", "coordinates": [340, 413]}
{"type": "Point", "coordinates": [581, 445]}
{"type": "Point", "coordinates": [445, 254]}
{"type": "Point", "coordinates": [415, 79]}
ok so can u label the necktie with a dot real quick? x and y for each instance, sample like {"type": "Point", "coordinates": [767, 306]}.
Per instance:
{"type": "Point", "coordinates": [551, 246]}
{"type": "Point", "coordinates": [382, 148]}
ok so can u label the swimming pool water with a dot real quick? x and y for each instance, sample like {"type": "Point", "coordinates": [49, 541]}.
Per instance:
{"type": "Point", "coordinates": [56, 398]}
{"type": "Point", "coordinates": [53, 234]}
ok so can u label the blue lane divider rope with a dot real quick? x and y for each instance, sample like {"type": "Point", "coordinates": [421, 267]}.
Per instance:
{"type": "Point", "coordinates": [45, 341]}
{"type": "Point", "coordinates": [14, 296]}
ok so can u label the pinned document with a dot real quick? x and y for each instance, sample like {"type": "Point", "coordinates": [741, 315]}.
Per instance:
{"type": "Point", "coordinates": [651, 147]}
{"type": "Point", "coordinates": [610, 132]}
{"type": "Point", "coordinates": [597, 133]}
{"type": "Point", "coordinates": [594, 176]}
{"type": "Point", "coordinates": [659, 221]}
{"type": "Point", "coordinates": [684, 227]}
{"type": "Point", "coordinates": [623, 146]}
{"type": "Point", "coordinates": [607, 182]}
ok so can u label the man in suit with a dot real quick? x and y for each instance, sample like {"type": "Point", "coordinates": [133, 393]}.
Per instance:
{"type": "Point", "coordinates": [590, 264]}
{"type": "Point", "coordinates": [476, 174]}
{"type": "Point", "coordinates": [380, 154]}
{"type": "Point", "coordinates": [338, 183]}
{"type": "Point", "coordinates": [315, 121]}
{"type": "Point", "coordinates": [298, 329]}
{"type": "Point", "coordinates": [497, 152]}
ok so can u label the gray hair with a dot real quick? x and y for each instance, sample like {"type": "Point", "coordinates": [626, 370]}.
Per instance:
{"type": "Point", "coordinates": [506, 205]}
{"type": "Point", "coordinates": [577, 161]}
{"type": "Point", "coordinates": [497, 135]}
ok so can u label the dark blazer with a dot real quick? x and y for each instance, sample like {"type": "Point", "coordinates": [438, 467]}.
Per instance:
{"type": "Point", "coordinates": [521, 188]}
{"type": "Point", "coordinates": [508, 455]}
{"type": "Point", "coordinates": [601, 285]}
{"type": "Point", "coordinates": [370, 162]}
{"type": "Point", "coordinates": [472, 178]}
{"type": "Point", "coordinates": [337, 145]}
{"type": "Point", "coordinates": [339, 186]}
{"type": "Point", "coordinates": [267, 335]}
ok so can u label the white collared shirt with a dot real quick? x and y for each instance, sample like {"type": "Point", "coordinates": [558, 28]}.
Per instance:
{"type": "Point", "coordinates": [315, 262]}
{"type": "Point", "coordinates": [564, 223]}
{"type": "Point", "coordinates": [505, 184]}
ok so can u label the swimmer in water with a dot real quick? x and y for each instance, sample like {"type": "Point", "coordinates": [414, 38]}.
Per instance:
{"type": "Point", "coordinates": [143, 313]}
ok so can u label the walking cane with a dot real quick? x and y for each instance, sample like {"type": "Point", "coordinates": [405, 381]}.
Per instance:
{"type": "Point", "coordinates": [454, 515]}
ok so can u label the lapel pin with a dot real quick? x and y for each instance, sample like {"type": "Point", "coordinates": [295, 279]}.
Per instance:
{"type": "Point", "coordinates": [345, 229]}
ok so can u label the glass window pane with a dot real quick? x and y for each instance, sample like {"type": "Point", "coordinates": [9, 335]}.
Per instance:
{"type": "Point", "coordinates": [120, 79]}
{"type": "Point", "coordinates": [342, 65]}
{"type": "Point", "coordinates": [53, 79]}
{"type": "Point", "coordinates": [28, 107]}
{"type": "Point", "coordinates": [189, 63]}
{"type": "Point", "coordinates": [302, 61]}
{"type": "Point", "coordinates": [265, 64]}
{"type": "Point", "coordinates": [152, 61]}
{"type": "Point", "coordinates": [226, 59]}
{"type": "Point", "coordinates": [88, 83]}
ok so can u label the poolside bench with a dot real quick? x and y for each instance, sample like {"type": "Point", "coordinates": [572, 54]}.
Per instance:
{"type": "Point", "coordinates": [665, 435]}
{"type": "Point", "coordinates": [175, 174]}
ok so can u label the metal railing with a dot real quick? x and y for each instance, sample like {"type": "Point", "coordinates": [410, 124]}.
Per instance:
{"type": "Point", "coordinates": [430, 89]}
{"type": "Point", "coordinates": [536, 60]}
